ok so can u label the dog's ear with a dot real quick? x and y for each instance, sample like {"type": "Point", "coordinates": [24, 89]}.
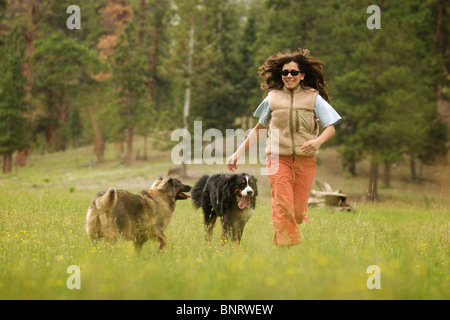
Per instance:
{"type": "Point", "coordinates": [156, 184]}
{"type": "Point", "coordinates": [227, 196]}
{"type": "Point", "coordinates": [166, 184]}
{"type": "Point", "coordinates": [230, 182]}
{"type": "Point", "coordinates": [162, 184]}
{"type": "Point", "coordinates": [255, 189]}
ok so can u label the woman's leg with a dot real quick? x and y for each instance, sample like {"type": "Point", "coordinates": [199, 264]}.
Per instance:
{"type": "Point", "coordinates": [283, 212]}
{"type": "Point", "coordinates": [305, 169]}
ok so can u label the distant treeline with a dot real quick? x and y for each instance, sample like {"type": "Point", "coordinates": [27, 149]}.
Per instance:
{"type": "Point", "coordinates": [147, 67]}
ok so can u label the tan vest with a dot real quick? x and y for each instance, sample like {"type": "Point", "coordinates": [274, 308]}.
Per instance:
{"type": "Point", "coordinates": [293, 120]}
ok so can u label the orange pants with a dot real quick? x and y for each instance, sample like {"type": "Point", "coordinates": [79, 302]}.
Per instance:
{"type": "Point", "coordinates": [290, 185]}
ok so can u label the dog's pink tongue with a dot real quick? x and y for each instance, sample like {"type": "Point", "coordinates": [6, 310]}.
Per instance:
{"type": "Point", "coordinates": [243, 203]}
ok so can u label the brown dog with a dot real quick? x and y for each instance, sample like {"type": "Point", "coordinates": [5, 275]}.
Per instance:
{"type": "Point", "coordinates": [135, 217]}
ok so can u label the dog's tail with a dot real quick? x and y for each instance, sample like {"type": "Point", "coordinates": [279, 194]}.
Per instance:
{"type": "Point", "coordinates": [197, 190]}
{"type": "Point", "coordinates": [107, 200]}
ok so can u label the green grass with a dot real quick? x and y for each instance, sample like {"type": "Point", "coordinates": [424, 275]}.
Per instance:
{"type": "Point", "coordinates": [42, 219]}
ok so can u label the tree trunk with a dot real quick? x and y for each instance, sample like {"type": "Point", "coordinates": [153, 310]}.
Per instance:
{"type": "Point", "coordinates": [29, 34]}
{"type": "Point", "coordinates": [129, 142]}
{"type": "Point", "coordinates": [187, 101]}
{"type": "Point", "coordinates": [21, 157]}
{"type": "Point", "coordinates": [387, 174]}
{"type": "Point", "coordinates": [373, 179]}
{"type": "Point", "coordinates": [7, 162]}
{"type": "Point", "coordinates": [63, 122]}
{"type": "Point", "coordinates": [99, 145]}
{"type": "Point", "coordinates": [130, 133]}
{"type": "Point", "coordinates": [145, 156]}
{"type": "Point", "coordinates": [413, 167]}
{"type": "Point", "coordinates": [50, 136]}
{"type": "Point", "coordinates": [420, 172]}
{"type": "Point", "coordinates": [153, 59]}
{"type": "Point", "coordinates": [351, 167]}
{"type": "Point", "coordinates": [119, 148]}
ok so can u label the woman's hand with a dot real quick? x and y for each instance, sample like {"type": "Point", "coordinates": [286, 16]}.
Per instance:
{"type": "Point", "coordinates": [251, 139]}
{"type": "Point", "coordinates": [310, 147]}
{"type": "Point", "coordinates": [231, 162]}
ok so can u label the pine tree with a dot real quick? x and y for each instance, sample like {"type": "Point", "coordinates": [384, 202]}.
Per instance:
{"type": "Point", "coordinates": [13, 124]}
{"type": "Point", "coordinates": [219, 68]}
{"type": "Point", "coordinates": [152, 18]}
{"type": "Point", "coordinates": [214, 80]}
{"type": "Point", "coordinates": [384, 90]}
{"type": "Point", "coordinates": [130, 82]}
{"type": "Point", "coordinates": [59, 63]}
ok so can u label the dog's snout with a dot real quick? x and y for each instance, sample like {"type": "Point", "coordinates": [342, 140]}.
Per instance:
{"type": "Point", "coordinates": [247, 192]}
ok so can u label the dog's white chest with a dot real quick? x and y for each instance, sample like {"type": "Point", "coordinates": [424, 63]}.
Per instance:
{"type": "Point", "coordinates": [247, 213]}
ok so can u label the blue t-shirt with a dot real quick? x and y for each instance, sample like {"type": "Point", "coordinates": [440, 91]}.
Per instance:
{"type": "Point", "coordinates": [324, 112]}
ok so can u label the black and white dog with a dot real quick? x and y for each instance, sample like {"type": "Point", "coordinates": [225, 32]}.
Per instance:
{"type": "Point", "coordinates": [232, 197]}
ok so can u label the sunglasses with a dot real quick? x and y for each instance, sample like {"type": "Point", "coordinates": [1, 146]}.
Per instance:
{"type": "Point", "coordinates": [293, 72]}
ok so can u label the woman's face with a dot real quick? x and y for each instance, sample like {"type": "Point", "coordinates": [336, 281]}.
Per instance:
{"type": "Point", "coordinates": [291, 81]}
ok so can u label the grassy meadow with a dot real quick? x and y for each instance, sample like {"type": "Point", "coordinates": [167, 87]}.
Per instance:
{"type": "Point", "coordinates": [42, 221]}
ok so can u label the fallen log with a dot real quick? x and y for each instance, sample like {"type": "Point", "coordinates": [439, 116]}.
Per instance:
{"type": "Point", "coordinates": [327, 197]}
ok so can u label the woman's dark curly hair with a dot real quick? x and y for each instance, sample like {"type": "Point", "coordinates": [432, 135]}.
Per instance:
{"type": "Point", "coordinates": [312, 67]}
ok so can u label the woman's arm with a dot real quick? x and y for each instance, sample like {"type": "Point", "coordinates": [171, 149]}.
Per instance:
{"type": "Point", "coordinates": [310, 147]}
{"type": "Point", "coordinates": [251, 139]}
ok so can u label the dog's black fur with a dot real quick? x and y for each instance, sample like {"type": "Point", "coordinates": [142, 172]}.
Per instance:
{"type": "Point", "coordinates": [221, 195]}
